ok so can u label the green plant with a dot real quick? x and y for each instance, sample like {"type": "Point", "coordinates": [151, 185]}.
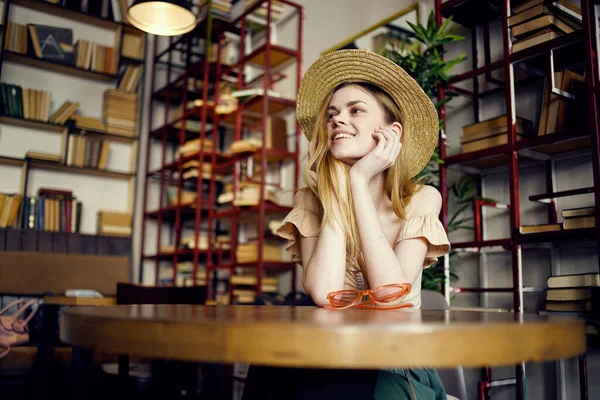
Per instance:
{"type": "Point", "coordinates": [421, 55]}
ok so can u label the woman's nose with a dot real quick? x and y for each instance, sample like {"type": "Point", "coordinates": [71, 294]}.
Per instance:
{"type": "Point", "coordinates": [339, 119]}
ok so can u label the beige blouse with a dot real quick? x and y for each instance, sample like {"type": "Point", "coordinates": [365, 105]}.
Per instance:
{"type": "Point", "coordinates": [305, 218]}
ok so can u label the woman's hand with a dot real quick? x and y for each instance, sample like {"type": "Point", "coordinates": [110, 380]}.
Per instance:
{"type": "Point", "coordinates": [381, 157]}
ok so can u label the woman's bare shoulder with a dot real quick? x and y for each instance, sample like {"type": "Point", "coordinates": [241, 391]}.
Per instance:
{"type": "Point", "coordinates": [426, 200]}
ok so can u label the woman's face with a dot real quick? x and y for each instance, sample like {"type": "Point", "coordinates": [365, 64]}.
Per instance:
{"type": "Point", "coordinates": [352, 116]}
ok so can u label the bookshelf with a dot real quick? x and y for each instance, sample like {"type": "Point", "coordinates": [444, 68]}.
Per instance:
{"type": "Point", "coordinates": [59, 130]}
{"type": "Point", "coordinates": [218, 216]}
{"type": "Point", "coordinates": [522, 157]}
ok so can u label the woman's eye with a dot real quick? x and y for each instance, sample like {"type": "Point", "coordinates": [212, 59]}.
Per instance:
{"type": "Point", "coordinates": [356, 111]}
{"type": "Point", "coordinates": [329, 116]}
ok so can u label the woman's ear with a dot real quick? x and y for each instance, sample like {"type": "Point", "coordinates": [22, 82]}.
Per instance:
{"type": "Point", "coordinates": [397, 128]}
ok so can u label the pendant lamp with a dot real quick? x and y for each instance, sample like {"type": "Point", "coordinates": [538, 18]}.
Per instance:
{"type": "Point", "coordinates": [162, 17]}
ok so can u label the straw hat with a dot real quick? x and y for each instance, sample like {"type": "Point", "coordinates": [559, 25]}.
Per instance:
{"type": "Point", "coordinates": [420, 118]}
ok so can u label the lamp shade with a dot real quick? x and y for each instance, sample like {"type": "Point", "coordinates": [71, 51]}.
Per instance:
{"type": "Point", "coordinates": [164, 18]}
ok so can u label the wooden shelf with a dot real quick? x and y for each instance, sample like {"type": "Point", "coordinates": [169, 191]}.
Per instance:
{"type": "Point", "coordinates": [482, 243]}
{"type": "Point", "coordinates": [546, 197]}
{"type": "Point", "coordinates": [570, 47]}
{"type": "Point", "coordinates": [39, 164]}
{"type": "Point", "coordinates": [173, 134]}
{"type": "Point", "coordinates": [63, 242]}
{"type": "Point", "coordinates": [103, 135]}
{"type": "Point", "coordinates": [552, 144]}
{"type": "Point", "coordinates": [64, 12]}
{"type": "Point", "coordinates": [559, 236]}
{"type": "Point", "coordinates": [275, 106]}
{"type": "Point", "coordinates": [17, 162]}
{"type": "Point", "coordinates": [32, 124]}
{"type": "Point", "coordinates": [56, 67]}
{"type": "Point", "coordinates": [278, 56]}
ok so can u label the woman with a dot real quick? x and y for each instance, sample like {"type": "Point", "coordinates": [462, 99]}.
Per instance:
{"type": "Point", "coordinates": [363, 222]}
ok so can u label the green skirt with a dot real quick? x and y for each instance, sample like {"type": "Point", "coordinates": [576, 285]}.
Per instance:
{"type": "Point", "coordinates": [398, 383]}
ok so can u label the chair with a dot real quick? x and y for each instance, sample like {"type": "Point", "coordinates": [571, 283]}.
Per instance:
{"type": "Point", "coordinates": [140, 373]}
{"type": "Point", "coordinates": [452, 378]}
{"type": "Point", "coordinates": [131, 293]}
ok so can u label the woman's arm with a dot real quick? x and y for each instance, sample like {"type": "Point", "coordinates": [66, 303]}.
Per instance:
{"type": "Point", "coordinates": [324, 261]}
{"type": "Point", "coordinates": [385, 264]}
{"type": "Point", "coordinates": [326, 267]}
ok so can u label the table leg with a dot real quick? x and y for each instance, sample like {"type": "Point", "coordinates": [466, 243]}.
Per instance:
{"type": "Point", "coordinates": [43, 371]}
{"type": "Point", "coordinates": [81, 373]}
{"type": "Point", "coordinates": [583, 381]}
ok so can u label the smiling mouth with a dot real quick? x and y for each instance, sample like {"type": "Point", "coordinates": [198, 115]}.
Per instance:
{"type": "Point", "coordinates": [340, 136]}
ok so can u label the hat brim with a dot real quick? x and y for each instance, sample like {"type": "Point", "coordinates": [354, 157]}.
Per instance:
{"type": "Point", "coordinates": [420, 118]}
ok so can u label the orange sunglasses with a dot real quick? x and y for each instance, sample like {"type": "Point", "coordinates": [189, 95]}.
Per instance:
{"type": "Point", "coordinates": [379, 298]}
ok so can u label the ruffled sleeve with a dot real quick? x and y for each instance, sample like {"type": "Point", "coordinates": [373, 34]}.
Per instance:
{"type": "Point", "coordinates": [429, 227]}
{"type": "Point", "coordinates": [302, 220]}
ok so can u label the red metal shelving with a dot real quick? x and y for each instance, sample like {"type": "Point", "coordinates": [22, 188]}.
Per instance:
{"type": "Point", "coordinates": [181, 61]}
{"type": "Point", "coordinates": [574, 50]}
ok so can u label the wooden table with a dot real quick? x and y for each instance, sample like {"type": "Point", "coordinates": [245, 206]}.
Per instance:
{"type": "Point", "coordinates": [315, 337]}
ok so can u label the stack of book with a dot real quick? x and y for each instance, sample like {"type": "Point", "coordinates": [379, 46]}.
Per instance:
{"type": "Point", "coordinates": [119, 112]}
{"type": "Point", "coordinates": [220, 8]}
{"type": "Point", "coordinates": [245, 290]}
{"type": "Point", "coordinates": [248, 195]}
{"type": "Point", "coordinates": [193, 147]}
{"type": "Point", "coordinates": [133, 45]}
{"type": "Point", "coordinates": [574, 293]}
{"type": "Point", "coordinates": [191, 170]}
{"type": "Point", "coordinates": [248, 252]}
{"type": "Point", "coordinates": [259, 14]}
{"type": "Point", "coordinates": [9, 209]}
{"type": "Point", "coordinates": [186, 197]}
{"type": "Point", "coordinates": [88, 152]}
{"type": "Point", "coordinates": [53, 210]}
{"type": "Point", "coordinates": [113, 223]}
{"type": "Point", "coordinates": [578, 218]}
{"type": "Point", "coordinates": [559, 114]}
{"type": "Point", "coordinates": [573, 218]}
{"type": "Point", "coordinates": [491, 133]}
{"type": "Point", "coordinates": [184, 274]}
{"type": "Point", "coordinates": [16, 37]}
{"type": "Point", "coordinates": [130, 79]}
{"type": "Point", "coordinates": [537, 21]}
{"type": "Point", "coordinates": [26, 103]}
{"type": "Point", "coordinates": [188, 242]}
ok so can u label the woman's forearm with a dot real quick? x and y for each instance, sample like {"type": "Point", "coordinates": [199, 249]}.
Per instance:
{"type": "Point", "coordinates": [381, 262]}
{"type": "Point", "coordinates": [326, 268]}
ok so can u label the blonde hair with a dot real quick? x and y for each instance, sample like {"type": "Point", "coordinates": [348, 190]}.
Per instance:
{"type": "Point", "coordinates": [322, 172]}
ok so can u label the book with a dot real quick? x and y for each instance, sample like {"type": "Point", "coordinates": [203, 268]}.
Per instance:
{"type": "Point", "coordinates": [497, 125]}
{"type": "Point", "coordinates": [526, 5]}
{"type": "Point", "coordinates": [572, 293]}
{"type": "Point", "coordinates": [580, 222]}
{"type": "Point", "coordinates": [537, 38]}
{"type": "Point", "coordinates": [573, 280]}
{"type": "Point", "coordinates": [528, 14]}
{"type": "Point", "coordinates": [578, 212]}
{"type": "Point", "coordinates": [540, 228]}
{"type": "Point", "coordinates": [543, 22]}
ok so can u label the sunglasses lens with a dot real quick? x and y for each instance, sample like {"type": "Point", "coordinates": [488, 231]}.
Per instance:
{"type": "Point", "coordinates": [343, 298]}
{"type": "Point", "coordinates": [387, 294]}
